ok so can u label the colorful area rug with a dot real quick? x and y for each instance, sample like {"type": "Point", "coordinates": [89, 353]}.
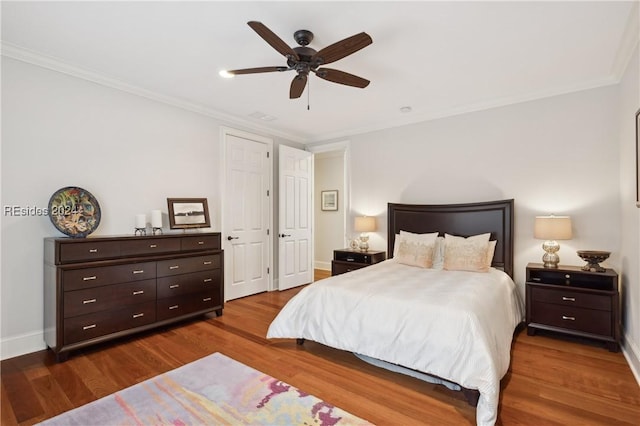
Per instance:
{"type": "Point", "coordinates": [214, 390]}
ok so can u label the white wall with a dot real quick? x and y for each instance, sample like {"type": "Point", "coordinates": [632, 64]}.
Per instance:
{"type": "Point", "coordinates": [131, 153]}
{"type": "Point", "coordinates": [628, 104]}
{"type": "Point", "coordinates": [329, 232]}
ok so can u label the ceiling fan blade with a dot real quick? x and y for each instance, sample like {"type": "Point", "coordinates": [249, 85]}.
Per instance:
{"type": "Point", "coordinates": [257, 70]}
{"type": "Point", "coordinates": [271, 38]}
{"type": "Point", "coordinates": [297, 86]}
{"type": "Point", "coordinates": [342, 77]}
{"type": "Point", "coordinates": [342, 48]}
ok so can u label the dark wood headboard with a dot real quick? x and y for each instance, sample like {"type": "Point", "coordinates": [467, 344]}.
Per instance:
{"type": "Point", "coordinates": [495, 217]}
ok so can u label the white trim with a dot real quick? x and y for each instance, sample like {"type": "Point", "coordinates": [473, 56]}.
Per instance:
{"type": "Point", "coordinates": [325, 266]}
{"type": "Point", "coordinates": [632, 354]}
{"type": "Point", "coordinates": [630, 39]}
{"type": "Point", "coordinates": [228, 131]}
{"type": "Point", "coordinates": [18, 53]}
{"type": "Point", "coordinates": [22, 344]}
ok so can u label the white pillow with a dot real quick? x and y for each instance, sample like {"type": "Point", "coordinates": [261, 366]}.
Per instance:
{"type": "Point", "coordinates": [467, 254]}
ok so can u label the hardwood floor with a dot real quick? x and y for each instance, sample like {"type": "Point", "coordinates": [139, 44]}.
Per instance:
{"type": "Point", "coordinates": [551, 381]}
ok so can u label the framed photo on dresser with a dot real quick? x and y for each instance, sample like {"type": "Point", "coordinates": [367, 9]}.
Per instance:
{"type": "Point", "coordinates": [188, 213]}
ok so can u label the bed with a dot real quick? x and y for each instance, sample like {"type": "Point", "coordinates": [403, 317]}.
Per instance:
{"type": "Point", "coordinates": [453, 325]}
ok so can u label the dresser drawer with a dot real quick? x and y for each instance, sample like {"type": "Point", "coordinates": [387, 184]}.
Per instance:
{"type": "Point", "coordinates": [178, 306]}
{"type": "Point", "coordinates": [167, 268]}
{"type": "Point", "coordinates": [149, 246]}
{"type": "Point", "coordinates": [88, 251]}
{"type": "Point", "coordinates": [201, 243]}
{"type": "Point", "coordinates": [89, 326]}
{"type": "Point", "coordinates": [188, 283]}
{"type": "Point", "coordinates": [571, 298]}
{"type": "Point", "coordinates": [572, 318]}
{"type": "Point", "coordinates": [82, 302]}
{"type": "Point", "coordinates": [77, 279]}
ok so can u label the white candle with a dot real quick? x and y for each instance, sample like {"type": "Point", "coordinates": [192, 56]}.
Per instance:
{"type": "Point", "coordinates": [156, 219]}
{"type": "Point", "coordinates": [141, 221]}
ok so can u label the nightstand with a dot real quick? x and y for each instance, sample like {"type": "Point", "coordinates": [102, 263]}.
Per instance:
{"type": "Point", "coordinates": [346, 260]}
{"type": "Point", "coordinates": [571, 301]}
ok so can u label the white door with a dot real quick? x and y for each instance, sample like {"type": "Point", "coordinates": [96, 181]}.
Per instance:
{"type": "Point", "coordinates": [295, 246]}
{"type": "Point", "coordinates": [246, 215]}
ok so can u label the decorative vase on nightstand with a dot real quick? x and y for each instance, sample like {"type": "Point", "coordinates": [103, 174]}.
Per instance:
{"type": "Point", "coordinates": [593, 258]}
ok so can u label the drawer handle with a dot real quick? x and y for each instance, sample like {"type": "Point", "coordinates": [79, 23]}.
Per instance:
{"type": "Point", "coordinates": [350, 259]}
{"type": "Point", "coordinates": [200, 243]}
{"type": "Point", "coordinates": [139, 271]}
{"type": "Point", "coordinates": [567, 276]}
{"type": "Point", "coordinates": [87, 327]}
{"type": "Point", "coordinates": [93, 277]}
{"type": "Point", "coordinates": [207, 299]}
{"type": "Point", "coordinates": [174, 267]}
{"type": "Point", "coordinates": [207, 280]}
{"type": "Point", "coordinates": [173, 307]}
{"type": "Point", "coordinates": [569, 299]}
{"type": "Point", "coordinates": [536, 279]}
{"type": "Point", "coordinates": [153, 245]}
{"type": "Point", "coordinates": [174, 286]}
{"type": "Point", "coordinates": [138, 315]}
{"type": "Point", "coordinates": [138, 292]}
{"type": "Point", "coordinates": [86, 302]}
{"type": "Point", "coordinates": [208, 262]}
{"type": "Point", "coordinates": [93, 250]}
{"type": "Point", "coordinates": [568, 318]}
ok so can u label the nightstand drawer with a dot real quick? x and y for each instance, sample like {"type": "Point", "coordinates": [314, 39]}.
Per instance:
{"type": "Point", "coordinates": [338, 268]}
{"type": "Point", "coordinates": [571, 298]}
{"type": "Point", "coordinates": [572, 318]}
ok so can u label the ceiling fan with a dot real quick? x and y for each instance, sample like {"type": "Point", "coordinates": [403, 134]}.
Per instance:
{"type": "Point", "coordinates": [304, 59]}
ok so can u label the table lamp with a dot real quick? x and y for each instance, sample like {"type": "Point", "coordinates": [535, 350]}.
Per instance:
{"type": "Point", "coordinates": [552, 228]}
{"type": "Point", "coordinates": [363, 225]}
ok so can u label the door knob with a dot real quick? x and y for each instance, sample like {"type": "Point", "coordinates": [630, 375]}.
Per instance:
{"type": "Point", "coordinates": [232, 238]}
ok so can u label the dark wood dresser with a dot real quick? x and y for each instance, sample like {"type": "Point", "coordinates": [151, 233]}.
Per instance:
{"type": "Point", "coordinates": [346, 260]}
{"type": "Point", "coordinates": [101, 288]}
{"type": "Point", "coordinates": [572, 301]}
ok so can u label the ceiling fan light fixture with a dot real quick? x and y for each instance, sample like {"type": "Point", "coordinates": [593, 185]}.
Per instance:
{"type": "Point", "coordinates": [226, 74]}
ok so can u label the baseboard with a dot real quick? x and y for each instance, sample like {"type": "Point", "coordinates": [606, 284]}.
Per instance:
{"type": "Point", "coordinates": [632, 354]}
{"type": "Point", "coordinates": [21, 345]}
{"type": "Point", "coordinates": [325, 266]}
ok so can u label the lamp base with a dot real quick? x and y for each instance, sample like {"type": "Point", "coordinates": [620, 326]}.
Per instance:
{"type": "Point", "coordinates": [550, 259]}
{"type": "Point", "coordinates": [364, 242]}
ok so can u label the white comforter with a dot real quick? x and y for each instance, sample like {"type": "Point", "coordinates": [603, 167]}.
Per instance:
{"type": "Point", "coordinates": [455, 325]}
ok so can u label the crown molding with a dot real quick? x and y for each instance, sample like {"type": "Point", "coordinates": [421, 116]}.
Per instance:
{"type": "Point", "coordinates": [628, 43]}
{"type": "Point", "coordinates": [18, 53]}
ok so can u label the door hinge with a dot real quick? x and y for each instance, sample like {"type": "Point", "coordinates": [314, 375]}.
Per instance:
{"type": "Point", "coordinates": [267, 270]}
{"type": "Point", "coordinates": [267, 154]}
{"type": "Point", "coordinates": [267, 232]}
{"type": "Point", "coordinates": [267, 192]}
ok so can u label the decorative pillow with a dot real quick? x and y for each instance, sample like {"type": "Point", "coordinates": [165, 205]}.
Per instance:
{"type": "Point", "coordinates": [427, 239]}
{"type": "Point", "coordinates": [466, 254]}
{"type": "Point", "coordinates": [438, 254]}
{"type": "Point", "coordinates": [415, 253]}
{"type": "Point", "coordinates": [491, 249]}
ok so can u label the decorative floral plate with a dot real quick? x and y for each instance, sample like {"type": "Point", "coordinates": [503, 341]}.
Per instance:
{"type": "Point", "coordinates": [74, 211]}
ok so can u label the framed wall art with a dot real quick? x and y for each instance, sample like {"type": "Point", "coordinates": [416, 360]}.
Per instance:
{"type": "Point", "coordinates": [188, 213]}
{"type": "Point", "coordinates": [329, 200]}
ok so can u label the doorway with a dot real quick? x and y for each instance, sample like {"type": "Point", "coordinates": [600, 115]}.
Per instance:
{"type": "Point", "coordinates": [331, 173]}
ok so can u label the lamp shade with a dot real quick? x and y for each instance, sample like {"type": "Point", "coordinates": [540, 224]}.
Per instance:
{"type": "Point", "coordinates": [552, 228]}
{"type": "Point", "coordinates": [365, 224]}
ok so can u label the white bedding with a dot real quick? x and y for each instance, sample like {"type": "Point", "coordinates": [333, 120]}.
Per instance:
{"type": "Point", "coordinates": [455, 325]}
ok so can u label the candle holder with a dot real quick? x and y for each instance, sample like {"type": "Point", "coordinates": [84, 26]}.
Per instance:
{"type": "Point", "coordinates": [156, 229]}
{"type": "Point", "coordinates": [141, 231]}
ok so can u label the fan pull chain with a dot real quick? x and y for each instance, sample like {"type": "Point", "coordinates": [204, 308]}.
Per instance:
{"type": "Point", "coordinates": [308, 90]}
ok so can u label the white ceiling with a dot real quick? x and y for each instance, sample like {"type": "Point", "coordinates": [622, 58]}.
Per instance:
{"type": "Point", "coordinates": [439, 58]}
